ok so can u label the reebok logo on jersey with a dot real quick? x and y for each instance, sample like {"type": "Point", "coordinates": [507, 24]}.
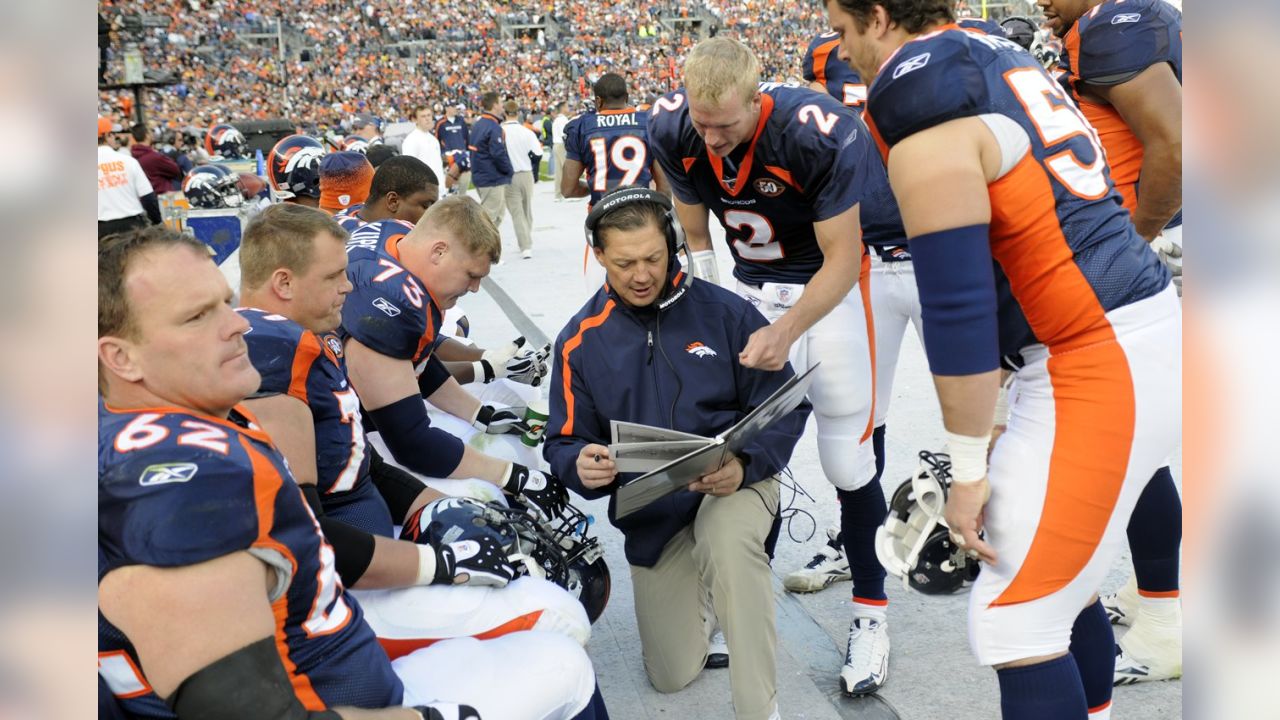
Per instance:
{"type": "Point", "coordinates": [914, 63]}
{"type": "Point", "coordinates": [1123, 18]}
{"type": "Point", "coordinates": [697, 348]}
{"type": "Point", "coordinates": [385, 306]}
{"type": "Point", "coordinates": [163, 473]}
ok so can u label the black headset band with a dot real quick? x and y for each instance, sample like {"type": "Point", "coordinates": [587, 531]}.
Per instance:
{"type": "Point", "coordinates": [626, 196]}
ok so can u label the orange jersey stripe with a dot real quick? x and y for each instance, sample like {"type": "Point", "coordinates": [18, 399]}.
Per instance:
{"type": "Point", "coordinates": [303, 356]}
{"type": "Point", "coordinates": [1093, 391]}
{"type": "Point", "coordinates": [267, 485]}
{"type": "Point", "coordinates": [591, 322]}
{"type": "Point", "coordinates": [820, 55]}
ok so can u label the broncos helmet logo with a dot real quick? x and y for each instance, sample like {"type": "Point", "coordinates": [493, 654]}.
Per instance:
{"type": "Point", "coordinates": [225, 141]}
{"type": "Point", "coordinates": [294, 166]}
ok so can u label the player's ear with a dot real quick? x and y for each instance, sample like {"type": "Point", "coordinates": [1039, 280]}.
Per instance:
{"type": "Point", "coordinates": [439, 248]}
{"type": "Point", "coordinates": [393, 202]}
{"type": "Point", "coordinates": [117, 356]}
{"type": "Point", "coordinates": [282, 284]}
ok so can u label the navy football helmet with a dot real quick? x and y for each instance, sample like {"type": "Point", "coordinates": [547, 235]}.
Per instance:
{"type": "Point", "coordinates": [559, 550]}
{"type": "Point", "coordinates": [914, 543]}
{"type": "Point", "coordinates": [211, 187]}
{"type": "Point", "coordinates": [226, 142]}
{"type": "Point", "coordinates": [293, 168]}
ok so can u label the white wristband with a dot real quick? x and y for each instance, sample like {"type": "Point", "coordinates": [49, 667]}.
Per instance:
{"type": "Point", "coordinates": [968, 457]}
{"type": "Point", "coordinates": [426, 565]}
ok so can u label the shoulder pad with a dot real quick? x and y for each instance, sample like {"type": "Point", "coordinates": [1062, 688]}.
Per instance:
{"type": "Point", "coordinates": [929, 82]}
{"type": "Point", "coordinates": [184, 499]}
{"type": "Point", "coordinates": [386, 308]}
{"type": "Point", "coordinates": [1118, 41]}
{"type": "Point", "coordinates": [282, 351]}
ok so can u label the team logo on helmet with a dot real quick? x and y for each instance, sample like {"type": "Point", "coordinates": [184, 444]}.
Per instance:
{"type": "Point", "coordinates": [211, 187]}
{"type": "Point", "coordinates": [294, 166]}
{"type": "Point", "coordinates": [225, 141]}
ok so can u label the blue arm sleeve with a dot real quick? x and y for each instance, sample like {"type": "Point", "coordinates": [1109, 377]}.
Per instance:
{"type": "Point", "coordinates": [956, 279]}
{"type": "Point", "coordinates": [407, 430]}
{"type": "Point", "coordinates": [771, 450]}
{"type": "Point", "coordinates": [432, 377]}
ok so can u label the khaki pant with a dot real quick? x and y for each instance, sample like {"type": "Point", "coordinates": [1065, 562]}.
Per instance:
{"type": "Point", "coordinates": [719, 562]}
{"type": "Point", "coordinates": [558, 152]}
{"type": "Point", "coordinates": [520, 205]}
{"type": "Point", "coordinates": [493, 198]}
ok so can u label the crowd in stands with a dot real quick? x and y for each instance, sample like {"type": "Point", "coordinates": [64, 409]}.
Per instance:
{"type": "Point", "coordinates": [385, 58]}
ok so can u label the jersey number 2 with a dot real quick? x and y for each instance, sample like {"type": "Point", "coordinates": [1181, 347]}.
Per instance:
{"type": "Point", "coordinates": [760, 245]}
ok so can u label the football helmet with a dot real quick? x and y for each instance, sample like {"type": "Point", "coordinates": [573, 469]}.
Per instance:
{"type": "Point", "coordinates": [559, 550]}
{"type": "Point", "coordinates": [211, 187]}
{"type": "Point", "coordinates": [293, 169]}
{"type": "Point", "coordinates": [915, 543]}
{"type": "Point", "coordinates": [355, 143]}
{"type": "Point", "coordinates": [226, 142]}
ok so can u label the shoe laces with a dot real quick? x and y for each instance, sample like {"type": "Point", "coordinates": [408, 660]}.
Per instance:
{"type": "Point", "coordinates": [858, 654]}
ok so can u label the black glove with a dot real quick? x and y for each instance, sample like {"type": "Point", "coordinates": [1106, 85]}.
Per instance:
{"type": "Point", "coordinates": [499, 421]}
{"type": "Point", "coordinates": [447, 711]}
{"type": "Point", "coordinates": [483, 558]}
{"type": "Point", "coordinates": [542, 490]}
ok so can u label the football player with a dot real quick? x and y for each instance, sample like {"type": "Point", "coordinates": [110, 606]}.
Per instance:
{"type": "Point", "coordinates": [609, 144]}
{"type": "Point", "coordinates": [1123, 65]}
{"type": "Point", "coordinates": [455, 135]}
{"type": "Point", "coordinates": [293, 266]}
{"type": "Point", "coordinates": [403, 282]}
{"type": "Point", "coordinates": [894, 304]}
{"type": "Point", "coordinates": [825, 72]}
{"type": "Point", "coordinates": [217, 592]}
{"type": "Point", "coordinates": [793, 177]}
{"type": "Point", "coordinates": [403, 188]}
{"type": "Point", "coordinates": [1080, 309]}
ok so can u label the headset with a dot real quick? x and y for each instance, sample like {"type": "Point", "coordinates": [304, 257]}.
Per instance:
{"type": "Point", "coordinates": [635, 194]}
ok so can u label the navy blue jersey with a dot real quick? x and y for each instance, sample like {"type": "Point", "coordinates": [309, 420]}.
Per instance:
{"type": "Point", "coordinates": [350, 218]}
{"type": "Point", "coordinates": [1110, 45]}
{"type": "Point", "coordinates": [452, 134]}
{"type": "Point", "coordinates": [822, 64]}
{"type": "Point", "coordinates": [983, 26]}
{"type": "Point", "coordinates": [389, 310]}
{"type": "Point", "coordinates": [811, 159]}
{"type": "Point", "coordinates": [178, 488]}
{"type": "Point", "coordinates": [1058, 229]}
{"type": "Point", "coordinates": [613, 145]}
{"type": "Point", "coordinates": [296, 362]}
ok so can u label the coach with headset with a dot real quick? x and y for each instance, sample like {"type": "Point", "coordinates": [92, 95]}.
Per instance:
{"type": "Point", "coordinates": [657, 347]}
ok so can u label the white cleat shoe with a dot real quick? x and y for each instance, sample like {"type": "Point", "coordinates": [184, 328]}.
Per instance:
{"type": "Point", "coordinates": [866, 660]}
{"type": "Point", "coordinates": [1151, 650]}
{"type": "Point", "coordinates": [828, 566]}
{"type": "Point", "coordinates": [1122, 605]}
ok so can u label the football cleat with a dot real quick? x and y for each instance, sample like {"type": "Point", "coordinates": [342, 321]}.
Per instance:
{"type": "Point", "coordinates": [827, 567]}
{"type": "Point", "coordinates": [1151, 650]}
{"type": "Point", "coordinates": [1122, 605]}
{"type": "Point", "coordinates": [866, 659]}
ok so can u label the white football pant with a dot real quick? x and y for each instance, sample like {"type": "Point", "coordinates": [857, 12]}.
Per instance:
{"type": "Point", "coordinates": [1087, 428]}
{"type": "Point", "coordinates": [842, 391]}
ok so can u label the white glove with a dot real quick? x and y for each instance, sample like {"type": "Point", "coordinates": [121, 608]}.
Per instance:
{"type": "Point", "coordinates": [500, 421]}
{"type": "Point", "coordinates": [486, 368]}
{"type": "Point", "coordinates": [529, 366]}
{"type": "Point", "coordinates": [705, 266]}
{"type": "Point", "coordinates": [1170, 254]}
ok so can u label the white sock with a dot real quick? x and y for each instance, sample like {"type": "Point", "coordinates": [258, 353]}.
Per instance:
{"type": "Point", "coordinates": [879, 613]}
{"type": "Point", "coordinates": [1162, 610]}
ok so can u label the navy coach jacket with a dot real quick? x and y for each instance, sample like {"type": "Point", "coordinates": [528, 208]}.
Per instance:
{"type": "Point", "coordinates": [675, 367]}
{"type": "Point", "coordinates": [490, 163]}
